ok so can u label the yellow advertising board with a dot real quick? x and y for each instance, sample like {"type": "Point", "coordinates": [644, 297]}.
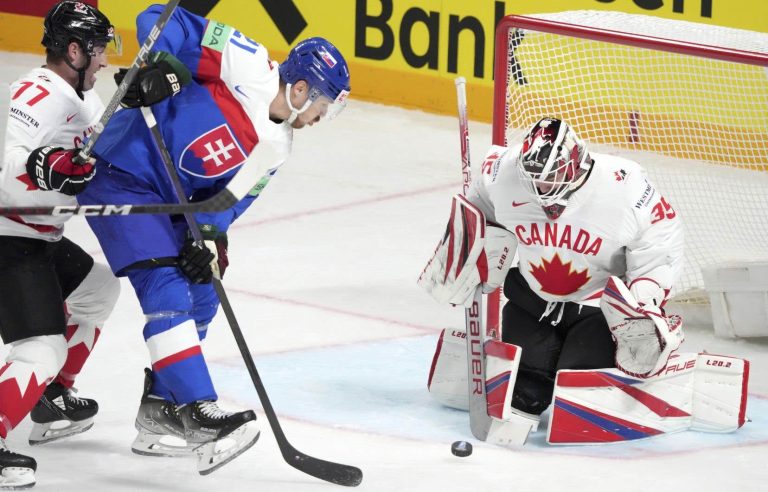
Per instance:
{"type": "Point", "coordinates": [403, 52]}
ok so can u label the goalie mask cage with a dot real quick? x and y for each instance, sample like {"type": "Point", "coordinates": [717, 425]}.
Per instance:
{"type": "Point", "coordinates": [688, 101]}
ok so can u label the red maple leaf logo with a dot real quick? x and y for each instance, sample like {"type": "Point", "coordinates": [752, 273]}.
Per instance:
{"type": "Point", "coordinates": [24, 178]}
{"type": "Point", "coordinates": [558, 278]}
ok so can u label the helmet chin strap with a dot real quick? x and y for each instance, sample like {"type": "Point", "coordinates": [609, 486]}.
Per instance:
{"type": "Point", "coordinates": [294, 112]}
{"type": "Point", "coordinates": [80, 73]}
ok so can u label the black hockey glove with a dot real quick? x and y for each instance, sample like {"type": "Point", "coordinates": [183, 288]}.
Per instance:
{"type": "Point", "coordinates": [54, 169]}
{"type": "Point", "coordinates": [195, 262]}
{"type": "Point", "coordinates": [163, 76]}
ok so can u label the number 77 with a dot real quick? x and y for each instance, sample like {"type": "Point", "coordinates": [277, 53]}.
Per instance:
{"type": "Point", "coordinates": [42, 93]}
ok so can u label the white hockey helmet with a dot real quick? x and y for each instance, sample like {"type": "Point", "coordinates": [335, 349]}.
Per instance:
{"type": "Point", "coordinates": [553, 162]}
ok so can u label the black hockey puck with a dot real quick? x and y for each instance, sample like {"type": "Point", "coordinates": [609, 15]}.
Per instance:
{"type": "Point", "coordinates": [461, 449]}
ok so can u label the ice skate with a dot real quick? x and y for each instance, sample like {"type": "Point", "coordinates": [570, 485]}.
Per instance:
{"type": "Point", "coordinates": [161, 432]}
{"type": "Point", "coordinates": [16, 470]}
{"type": "Point", "coordinates": [218, 436]}
{"type": "Point", "coordinates": [59, 413]}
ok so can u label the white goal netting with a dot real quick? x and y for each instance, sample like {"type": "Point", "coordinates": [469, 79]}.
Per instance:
{"type": "Point", "coordinates": [688, 101]}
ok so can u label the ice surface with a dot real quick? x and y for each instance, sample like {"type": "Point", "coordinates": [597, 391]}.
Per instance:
{"type": "Point", "coordinates": [323, 282]}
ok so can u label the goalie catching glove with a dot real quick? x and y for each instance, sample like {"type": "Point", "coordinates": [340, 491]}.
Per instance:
{"type": "Point", "coordinates": [470, 253]}
{"type": "Point", "coordinates": [644, 336]}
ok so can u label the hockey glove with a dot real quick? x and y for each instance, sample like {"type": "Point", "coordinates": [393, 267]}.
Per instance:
{"type": "Point", "coordinates": [163, 76]}
{"type": "Point", "coordinates": [470, 253]}
{"type": "Point", "coordinates": [195, 262]}
{"type": "Point", "coordinates": [217, 242]}
{"type": "Point", "coordinates": [54, 169]}
{"type": "Point", "coordinates": [645, 338]}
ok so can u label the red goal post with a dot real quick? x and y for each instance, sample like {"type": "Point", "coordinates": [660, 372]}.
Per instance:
{"type": "Point", "coordinates": [688, 101]}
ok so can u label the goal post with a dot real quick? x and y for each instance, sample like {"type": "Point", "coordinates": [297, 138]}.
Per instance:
{"type": "Point", "coordinates": [688, 101]}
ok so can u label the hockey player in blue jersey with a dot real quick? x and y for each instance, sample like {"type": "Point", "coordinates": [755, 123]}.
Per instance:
{"type": "Point", "coordinates": [237, 101]}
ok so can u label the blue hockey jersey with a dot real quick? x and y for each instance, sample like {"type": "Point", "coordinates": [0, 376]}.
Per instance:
{"type": "Point", "coordinates": [212, 125]}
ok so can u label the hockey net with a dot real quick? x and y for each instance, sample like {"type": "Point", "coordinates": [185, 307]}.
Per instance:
{"type": "Point", "coordinates": [687, 101]}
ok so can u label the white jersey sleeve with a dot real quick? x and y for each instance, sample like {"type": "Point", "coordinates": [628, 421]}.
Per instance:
{"type": "Point", "coordinates": [656, 252]}
{"type": "Point", "coordinates": [44, 110]}
{"type": "Point", "coordinates": [483, 173]}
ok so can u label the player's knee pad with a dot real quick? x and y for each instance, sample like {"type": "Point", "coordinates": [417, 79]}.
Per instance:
{"type": "Point", "coordinates": [161, 290]}
{"type": "Point", "coordinates": [205, 303]}
{"type": "Point", "coordinates": [96, 296]}
{"type": "Point", "coordinates": [47, 352]}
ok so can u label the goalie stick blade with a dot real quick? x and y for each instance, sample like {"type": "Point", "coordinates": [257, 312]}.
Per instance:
{"type": "Point", "coordinates": [346, 475]}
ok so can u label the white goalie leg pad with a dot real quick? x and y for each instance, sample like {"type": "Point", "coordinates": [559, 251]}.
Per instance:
{"type": "Point", "coordinates": [700, 392]}
{"type": "Point", "coordinates": [719, 393]}
{"type": "Point", "coordinates": [470, 253]}
{"type": "Point", "coordinates": [448, 385]}
{"type": "Point", "coordinates": [645, 338]}
{"type": "Point", "coordinates": [447, 381]}
{"type": "Point", "coordinates": [448, 375]}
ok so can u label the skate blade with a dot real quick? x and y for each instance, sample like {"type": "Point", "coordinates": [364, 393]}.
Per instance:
{"type": "Point", "coordinates": [53, 431]}
{"type": "Point", "coordinates": [213, 455]}
{"type": "Point", "coordinates": [15, 478]}
{"type": "Point", "coordinates": [160, 445]}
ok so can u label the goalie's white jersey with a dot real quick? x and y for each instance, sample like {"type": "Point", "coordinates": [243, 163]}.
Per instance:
{"type": "Point", "coordinates": [617, 223]}
{"type": "Point", "coordinates": [44, 110]}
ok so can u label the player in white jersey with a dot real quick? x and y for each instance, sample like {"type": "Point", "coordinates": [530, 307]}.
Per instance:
{"type": "Point", "coordinates": [55, 299]}
{"type": "Point", "coordinates": [578, 218]}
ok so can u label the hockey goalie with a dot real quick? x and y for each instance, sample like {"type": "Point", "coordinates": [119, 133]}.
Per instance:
{"type": "Point", "coordinates": [598, 249]}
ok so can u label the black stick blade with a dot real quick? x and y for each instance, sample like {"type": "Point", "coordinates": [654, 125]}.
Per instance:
{"type": "Point", "coordinates": [346, 475]}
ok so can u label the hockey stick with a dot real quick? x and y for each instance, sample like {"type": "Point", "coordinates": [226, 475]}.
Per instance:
{"type": "Point", "coordinates": [482, 425]}
{"type": "Point", "coordinates": [236, 189]}
{"type": "Point", "coordinates": [141, 57]}
{"type": "Point", "coordinates": [259, 165]}
{"type": "Point", "coordinates": [325, 470]}
{"type": "Point", "coordinates": [479, 420]}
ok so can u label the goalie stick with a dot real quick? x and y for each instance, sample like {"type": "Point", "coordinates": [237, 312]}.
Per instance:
{"type": "Point", "coordinates": [479, 420]}
{"type": "Point", "coordinates": [337, 473]}
{"type": "Point", "coordinates": [482, 425]}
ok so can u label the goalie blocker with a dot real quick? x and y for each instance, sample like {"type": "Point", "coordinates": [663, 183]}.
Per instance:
{"type": "Point", "coordinates": [471, 253]}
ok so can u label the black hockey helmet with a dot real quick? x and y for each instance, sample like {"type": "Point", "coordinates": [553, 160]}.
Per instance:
{"type": "Point", "coordinates": [76, 21]}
